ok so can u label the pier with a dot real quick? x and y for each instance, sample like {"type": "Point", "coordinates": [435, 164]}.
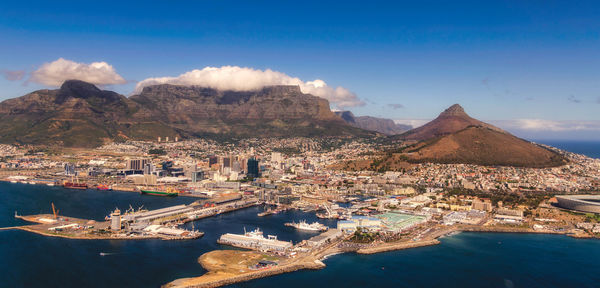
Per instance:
{"type": "Point", "coordinates": [155, 224]}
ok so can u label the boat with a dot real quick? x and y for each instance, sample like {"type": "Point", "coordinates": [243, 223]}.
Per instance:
{"type": "Point", "coordinates": [328, 215]}
{"type": "Point", "coordinates": [75, 185]}
{"type": "Point", "coordinates": [104, 187]}
{"type": "Point", "coordinates": [266, 213]}
{"type": "Point", "coordinates": [255, 240]}
{"type": "Point", "coordinates": [169, 192]}
{"type": "Point", "coordinates": [302, 225]}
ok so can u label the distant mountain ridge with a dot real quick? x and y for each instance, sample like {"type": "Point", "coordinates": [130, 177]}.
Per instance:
{"type": "Point", "coordinates": [381, 125]}
{"type": "Point", "coordinates": [81, 115]}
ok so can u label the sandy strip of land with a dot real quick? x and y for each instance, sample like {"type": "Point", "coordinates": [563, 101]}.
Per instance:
{"type": "Point", "coordinates": [397, 246]}
{"type": "Point", "coordinates": [225, 268]}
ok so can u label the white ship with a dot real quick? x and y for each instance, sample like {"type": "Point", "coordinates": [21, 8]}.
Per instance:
{"type": "Point", "coordinates": [255, 240]}
{"type": "Point", "coordinates": [302, 225]}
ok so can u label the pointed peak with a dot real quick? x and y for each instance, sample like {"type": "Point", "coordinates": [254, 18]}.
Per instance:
{"type": "Point", "coordinates": [454, 110]}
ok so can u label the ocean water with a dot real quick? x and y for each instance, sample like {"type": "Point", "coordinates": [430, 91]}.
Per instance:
{"type": "Point", "coordinates": [463, 260]}
{"type": "Point", "coordinates": [588, 148]}
{"type": "Point", "coordinates": [31, 260]}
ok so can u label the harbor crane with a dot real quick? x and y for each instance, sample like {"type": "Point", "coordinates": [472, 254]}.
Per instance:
{"type": "Point", "coordinates": [54, 211]}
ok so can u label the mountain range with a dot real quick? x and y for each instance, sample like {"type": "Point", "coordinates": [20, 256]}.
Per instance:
{"type": "Point", "coordinates": [381, 125]}
{"type": "Point", "coordinates": [79, 114]}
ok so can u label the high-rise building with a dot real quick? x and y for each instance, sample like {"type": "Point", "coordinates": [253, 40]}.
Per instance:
{"type": "Point", "coordinates": [253, 170]}
{"type": "Point", "coordinates": [227, 161]}
{"type": "Point", "coordinates": [69, 169]}
{"type": "Point", "coordinates": [276, 157]}
{"type": "Point", "coordinates": [148, 168]}
{"type": "Point", "coordinates": [136, 164]}
{"type": "Point", "coordinates": [482, 204]}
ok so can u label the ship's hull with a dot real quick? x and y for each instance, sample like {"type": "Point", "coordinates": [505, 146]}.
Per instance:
{"type": "Point", "coordinates": [159, 193]}
{"type": "Point", "coordinates": [308, 229]}
{"type": "Point", "coordinates": [75, 186]}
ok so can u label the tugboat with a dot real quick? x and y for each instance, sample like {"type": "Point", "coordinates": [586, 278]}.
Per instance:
{"type": "Point", "coordinates": [104, 187]}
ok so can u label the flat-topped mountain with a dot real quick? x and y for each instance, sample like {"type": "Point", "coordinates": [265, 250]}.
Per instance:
{"type": "Point", "coordinates": [381, 125]}
{"type": "Point", "coordinates": [451, 120]}
{"type": "Point", "coordinates": [81, 115]}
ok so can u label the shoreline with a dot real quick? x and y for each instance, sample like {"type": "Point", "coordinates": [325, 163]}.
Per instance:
{"type": "Point", "coordinates": [292, 267]}
{"type": "Point", "coordinates": [381, 248]}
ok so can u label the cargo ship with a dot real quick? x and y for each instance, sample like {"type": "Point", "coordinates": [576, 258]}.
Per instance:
{"type": "Point", "coordinates": [302, 225]}
{"type": "Point", "coordinates": [169, 192]}
{"type": "Point", "coordinates": [75, 185]}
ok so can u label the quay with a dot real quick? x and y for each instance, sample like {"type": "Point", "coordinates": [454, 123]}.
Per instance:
{"type": "Point", "coordinates": [155, 224]}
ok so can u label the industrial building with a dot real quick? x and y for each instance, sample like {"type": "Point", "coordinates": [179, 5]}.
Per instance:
{"type": "Point", "coordinates": [324, 237]}
{"type": "Point", "coordinates": [363, 222]}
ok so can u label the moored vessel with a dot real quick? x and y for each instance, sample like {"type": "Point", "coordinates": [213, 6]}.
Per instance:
{"type": "Point", "coordinates": [302, 225]}
{"type": "Point", "coordinates": [75, 185]}
{"type": "Point", "coordinates": [169, 192]}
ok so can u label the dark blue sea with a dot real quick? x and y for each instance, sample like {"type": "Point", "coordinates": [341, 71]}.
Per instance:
{"type": "Point", "coordinates": [463, 260]}
{"type": "Point", "coordinates": [587, 148]}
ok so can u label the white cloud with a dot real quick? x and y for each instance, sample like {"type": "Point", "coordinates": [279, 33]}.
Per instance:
{"type": "Point", "coordinates": [548, 125]}
{"type": "Point", "coordinates": [412, 122]}
{"type": "Point", "coordinates": [55, 73]}
{"type": "Point", "coordinates": [13, 75]}
{"type": "Point", "coordinates": [524, 125]}
{"type": "Point", "coordinates": [246, 79]}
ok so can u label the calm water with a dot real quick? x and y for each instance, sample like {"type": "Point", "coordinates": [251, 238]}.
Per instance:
{"type": "Point", "coordinates": [31, 260]}
{"type": "Point", "coordinates": [588, 148]}
{"type": "Point", "coordinates": [464, 260]}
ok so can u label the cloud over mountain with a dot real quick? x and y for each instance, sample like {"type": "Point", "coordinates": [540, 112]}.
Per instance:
{"type": "Point", "coordinates": [56, 72]}
{"type": "Point", "coordinates": [246, 79]}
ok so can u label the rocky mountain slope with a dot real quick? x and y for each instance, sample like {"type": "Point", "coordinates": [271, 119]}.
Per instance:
{"type": "Point", "coordinates": [381, 125]}
{"type": "Point", "coordinates": [483, 146]}
{"type": "Point", "coordinates": [456, 138]}
{"type": "Point", "coordinates": [81, 115]}
{"type": "Point", "coordinates": [451, 120]}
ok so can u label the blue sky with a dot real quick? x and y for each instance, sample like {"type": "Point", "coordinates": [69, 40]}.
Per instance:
{"type": "Point", "coordinates": [532, 68]}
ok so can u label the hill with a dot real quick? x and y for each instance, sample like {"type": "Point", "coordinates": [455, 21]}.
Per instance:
{"type": "Point", "coordinates": [81, 115]}
{"type": "Point", "coordinates": [482, 146]}
{"type": "Point", "coordinates": [381, 125]}
{"type": "Point", "coordinates": [456, 138]}
{"type": "Point", "coordinates": [451, 120]}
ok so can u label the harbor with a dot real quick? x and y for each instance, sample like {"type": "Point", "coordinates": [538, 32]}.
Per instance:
{"type": "Point", "coordinates": [213, 227]}
{"type": "Point", "coordinates": [163, 223]}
